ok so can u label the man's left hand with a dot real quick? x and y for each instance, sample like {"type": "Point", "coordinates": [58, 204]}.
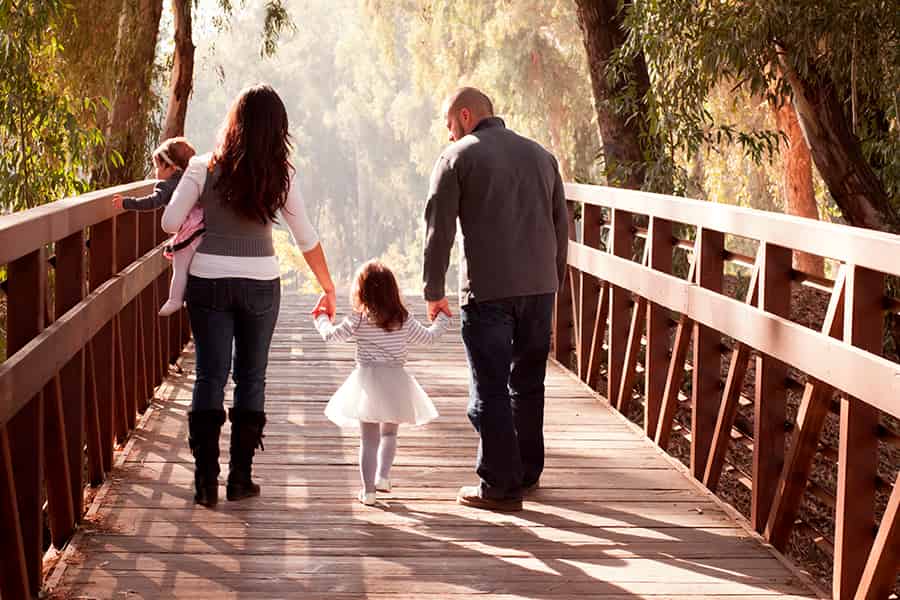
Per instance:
{"type": "Point", "coordinates": [435, 307]}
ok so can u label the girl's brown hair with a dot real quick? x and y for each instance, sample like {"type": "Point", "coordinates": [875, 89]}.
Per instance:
{"type": "Point", "coordinates": [375, 293]}
{"type": "Point", "coordinates": [253, 155]}
{"type": "Point", "coordinates": [174, 152]}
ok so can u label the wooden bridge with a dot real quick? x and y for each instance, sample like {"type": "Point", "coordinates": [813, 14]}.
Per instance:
{"type": "Point", "coordinates": [95, 474]}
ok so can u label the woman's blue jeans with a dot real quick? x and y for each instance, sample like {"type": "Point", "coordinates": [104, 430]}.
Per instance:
{"type": "Point", "coordinates": [507, 343]}
{"type": "Point", "coordinates": [231, 313]}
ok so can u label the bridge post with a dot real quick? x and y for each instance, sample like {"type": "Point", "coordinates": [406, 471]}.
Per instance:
{"type": "Point", "coordinates": [589, 291]}
{"type": "Point", "coordinates": [26, 305]}
{"type": "Point", "coordinates": [705, 389]}
{"type": "Point", "coordinates": [127, 342]}
{"type": "Point", "coordinates": [70, 280]}
{"type": "Point", "coordinates": [147, 314]}
{"type": "Point", "coordinates": [101, 256]}
{"type": "Point", "coordinates": [854, 527]}
{"type": "Point", "coordinates": [771, 391]}
{"type": "Point", "coordinates": [621, 242]}
{"type": "Point", "coordinates": [656, 357]}
{"type": "Point", "coordinates": [563, 315]}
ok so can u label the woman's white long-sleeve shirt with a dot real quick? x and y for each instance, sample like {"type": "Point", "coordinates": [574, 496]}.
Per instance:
{"type": "Point", "coordinates": [211, 266]}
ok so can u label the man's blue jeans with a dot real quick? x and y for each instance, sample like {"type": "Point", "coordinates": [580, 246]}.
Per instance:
{"type": "Point", "coordinates": [226, 312]}
{"type": "Point", "coordinates": [507, 342]}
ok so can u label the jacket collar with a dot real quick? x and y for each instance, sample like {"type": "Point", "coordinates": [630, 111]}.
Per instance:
{"type": "Point", "coordinates": [488, 123]}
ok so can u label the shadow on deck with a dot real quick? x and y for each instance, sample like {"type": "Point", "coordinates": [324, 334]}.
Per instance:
{"type": "Point", "coordinates": [614, 517]}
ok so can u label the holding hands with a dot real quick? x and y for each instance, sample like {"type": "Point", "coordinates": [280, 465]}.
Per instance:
{"type": "Point", "coordinates": [327, 305]}
{"type": "Point", "coordinates": [435, 307]}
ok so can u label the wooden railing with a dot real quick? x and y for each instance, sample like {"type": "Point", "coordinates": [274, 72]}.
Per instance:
{"type": "Point", "coordinates": [622, 312]}
{"type": "Point", "coordinates": [85, 350]}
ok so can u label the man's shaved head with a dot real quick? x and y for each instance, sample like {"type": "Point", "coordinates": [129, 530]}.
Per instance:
{"type": "Point", "coordinates": [471, 98]}
{"type": "Point", "coordinates": [463, 109]}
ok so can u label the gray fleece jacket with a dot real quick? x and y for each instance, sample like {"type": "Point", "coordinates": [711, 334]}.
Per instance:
{"type": "Point", "coordinates": [507, 193]}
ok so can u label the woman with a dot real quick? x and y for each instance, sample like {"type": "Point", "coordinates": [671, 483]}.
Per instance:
{"type": "Point", "coordinates": [234, 290]}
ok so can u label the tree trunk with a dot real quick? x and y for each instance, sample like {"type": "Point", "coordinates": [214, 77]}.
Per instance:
{"type": "Point", "coordinates": [623, 149]}
{"type": "Point", "coordinates": [182, 71]}
{"type": "Point", "coordinates": [836, 150]}
{"type": "Point", "coordinates": [800, 200]}
{"type": "Point", "coordinates": [135, 52]}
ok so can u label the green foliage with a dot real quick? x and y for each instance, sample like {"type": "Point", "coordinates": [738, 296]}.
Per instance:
{"type": "Point", "coordinates": [691, 47]}
{"type": "Point", "coordinates": [43, 146]}
{"type": "Point", "coordinates": [528, 55]}
{"type": "Point", "coordinates": [276, 21]}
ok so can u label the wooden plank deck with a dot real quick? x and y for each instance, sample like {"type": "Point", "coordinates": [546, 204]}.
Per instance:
{"type": "Point", "coordinates": [614, 518]}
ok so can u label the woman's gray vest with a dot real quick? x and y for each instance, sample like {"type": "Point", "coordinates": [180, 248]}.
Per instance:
{"type": "Point", "coordinates": [227, 232]}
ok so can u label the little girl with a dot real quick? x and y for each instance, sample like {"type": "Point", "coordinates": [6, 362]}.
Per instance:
{"type": "Point", "coordinates": [379, 394]}
{"type": "Point", "coordinates": [170, 160]}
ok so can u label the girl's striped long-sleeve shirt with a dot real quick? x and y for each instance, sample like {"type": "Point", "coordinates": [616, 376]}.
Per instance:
{"type": "Point", "coordinates": [375, 345]}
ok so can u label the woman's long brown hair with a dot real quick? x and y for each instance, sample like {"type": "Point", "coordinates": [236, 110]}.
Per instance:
{"type": "Point", "coordinates": [375, 293]}
{"type": "Point", "coordinates": [253, 155]}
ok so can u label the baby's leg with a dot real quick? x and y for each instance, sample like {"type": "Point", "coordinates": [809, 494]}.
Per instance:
{"type": "Point", "coordinates": [181, 266]}
{"type": "Point", "coordinates": [368, 454]}
{"type": "Point", "coordinates": [387, 449]}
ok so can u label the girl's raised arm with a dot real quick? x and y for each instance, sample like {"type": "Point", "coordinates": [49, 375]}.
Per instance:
{"type": "Point", "coordinates": [343, 332]}
{"type": "Point", "coordinates": [419, 334]}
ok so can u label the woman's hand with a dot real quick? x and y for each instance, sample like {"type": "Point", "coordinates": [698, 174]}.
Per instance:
{"type": "Point", "coordinates": [117, 201]}
{"type": "Point", "coordinates": [327, 304]}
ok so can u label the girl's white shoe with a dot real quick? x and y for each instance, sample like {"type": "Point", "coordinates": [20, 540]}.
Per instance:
{"type": "Point", "coordinates": [367, 498]}
{"type": "Point", "coordinates": [170, 308]}
{"type": "Point", "coordinates": [382, 485]}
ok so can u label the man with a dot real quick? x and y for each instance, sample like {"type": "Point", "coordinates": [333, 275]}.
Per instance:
{"type": "Point", "coordinates": [508, 196]}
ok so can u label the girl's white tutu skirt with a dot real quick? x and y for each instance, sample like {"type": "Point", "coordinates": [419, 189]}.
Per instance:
{"type": "Point", "coordinates": [380, 394]}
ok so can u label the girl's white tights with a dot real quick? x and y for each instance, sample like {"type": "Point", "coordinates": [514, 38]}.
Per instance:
{"type": "Point", "coordinates": [181, 266]}
{"type": "Point", "coordinates": [377, 448]}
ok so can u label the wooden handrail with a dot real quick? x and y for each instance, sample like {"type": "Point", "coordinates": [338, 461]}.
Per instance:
{"type": "Point", "coordinates": [863, 247]}
{"type": "Point", "coordinates": [844, 357]}
{"type": "Point", "coordinates": [26, 231]}
{"type": "Point", "coordinates": [76, 379]}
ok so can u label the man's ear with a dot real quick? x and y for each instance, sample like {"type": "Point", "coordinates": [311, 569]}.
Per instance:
{"type": "Point", "coordinates": [465, 115]}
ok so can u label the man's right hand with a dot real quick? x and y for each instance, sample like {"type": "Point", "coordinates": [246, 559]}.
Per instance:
{"type": "Point", "coordinates": [436, 307]}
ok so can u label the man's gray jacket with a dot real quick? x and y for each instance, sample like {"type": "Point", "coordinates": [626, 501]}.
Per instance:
{"type": "Point", "coordinates": [508, 195]}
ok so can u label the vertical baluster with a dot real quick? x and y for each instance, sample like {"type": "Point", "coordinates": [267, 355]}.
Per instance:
{"type": "Point", "coordinates": [771, 389]}
{"type": "Point", "coordinates": [589, 290]}
{"type": "Point", "coordinates": [14, 581]}
{"type": "Point", "coordinates": [621, 240]}
{"type": "Point", "coordinates": [656, 355]}
{"type": "Point", "coordinates": [70, 278]}
{"type": "Point", "coordinates": [92, 428]}
{"type": "Point", "coordinates": [811, 415]}
{"type": "Point", "coordinates": [26, 300]}
{"type": "Point", "coordinates": [147, 241]}
{"type": "Point", "coordinates": [881, 568]}
{"type": "Point", "coordinates": [102, 256]}
{"type": "Point", "coordinates": [705, 388]}
{"type": "Point", "coordinates": [161, 324]}
{"type": "Point", "coordinates": [854, 531]}
{"type": "Point", "coordinates": [563, 316]}
{"type": "Point", "coordinates": [126, 253]}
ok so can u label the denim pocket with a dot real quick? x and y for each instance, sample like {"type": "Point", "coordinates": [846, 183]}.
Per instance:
{"type": "Point", "coordinates": [201, 292]}
{"type": "Point", "coordinates": [261, 297]}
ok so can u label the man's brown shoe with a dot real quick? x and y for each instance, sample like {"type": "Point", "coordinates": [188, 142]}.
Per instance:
{"type": "Point", "coordinates": [470, 495]}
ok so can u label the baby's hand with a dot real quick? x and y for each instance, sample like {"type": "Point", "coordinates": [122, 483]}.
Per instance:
{"type": "Point", "coordinates": [117, 200]}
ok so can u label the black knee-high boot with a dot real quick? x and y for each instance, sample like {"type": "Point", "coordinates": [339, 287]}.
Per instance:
{"type": "Point", "coordinates": [203, 431]}
{"type": "Point", "coordinates": [246, 437]}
